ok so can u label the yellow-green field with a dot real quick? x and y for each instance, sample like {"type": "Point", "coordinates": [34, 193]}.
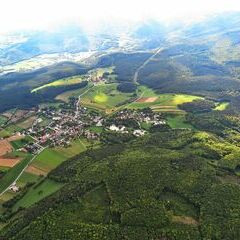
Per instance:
{"type": "Point", "coordinates": [221, 106]}
{"type": "Point", "coordinates": [104, 97]}
{"type": "Point", "coordinates": [62, 82]}
{"type": "Point", "coordinates": [167, 102]}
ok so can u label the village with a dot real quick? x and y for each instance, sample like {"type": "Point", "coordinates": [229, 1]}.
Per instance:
{"type": "Point", "coordinates": [74, 121]}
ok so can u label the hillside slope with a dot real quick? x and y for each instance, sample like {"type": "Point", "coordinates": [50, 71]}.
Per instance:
{"type": "Point", "coordinates": [164, 186]}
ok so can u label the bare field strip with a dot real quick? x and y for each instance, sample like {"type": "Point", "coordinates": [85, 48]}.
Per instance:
{"type": "Point", "coordinates": [9, 162]}
{"type": "Point", "coordinates": [147, 99]}
{"type": "Point", "coordinates": [36, 170]}
{"type": "Point", "coordinates": [14, 138]}
{"type": "Point", "coordinates": [5, 147]}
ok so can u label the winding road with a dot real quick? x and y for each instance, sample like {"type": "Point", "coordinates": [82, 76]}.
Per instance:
{"type": "Point", "coordinates": [135, 77]}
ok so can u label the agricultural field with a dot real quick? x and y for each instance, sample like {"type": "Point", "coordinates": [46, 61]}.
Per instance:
{"type": "Point", "coordinates": [62, 82]}
{"type": "Point", "coordinates": [104, 97]}
{"type": "Point", "coordinates": [48, 159]}
{"type": "Point", "coordinates": [26, 123]}
{"type": "Point", "coordinates": [3, 119]}
{"type": "Point", "coordinates": [222, 106]}
{"type": "Point", "coordinates": [160, 102]}
{"type": "Point", "coordinates": [9, 131]}
{"type": "Point", "coordinates": [37, 192]}
{"type": "Point", "coordinates": [19, 143]}
{"type": "Point", "coordinates": [75, 148]}
{"type": "Point", "coordinates": [13, 173]}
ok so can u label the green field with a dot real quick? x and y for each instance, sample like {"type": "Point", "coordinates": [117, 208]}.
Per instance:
{"type": "Point", "coordinates": [4, 133]}
{"type": "Point", "coordinates": [222, 106]}
{"type": "Point", "coordinates": [75, 148]}
{"type": "Point", "coordinates": [21, 142]}
{"type": "Point", "coordinates": [62, 82]}
{"type": "Point", "coordinates": [104, 97]}
{"type": "Point", "coordinates": [163, 102]}
{"type": "Point", "coordinates": [48, 159]}
{"type": "Point", "coordinates": [27, 177]}
{"type": "Point", "coordinates": [13, 173]}
{"type": "Point", "coordinates": [35, 194]}
{"type": "Point", "coordinates": [2, 120]}
{"type": "Point", "coordinates": [9, 130]}
{"type": "Point", "coordinates": [178, 121]}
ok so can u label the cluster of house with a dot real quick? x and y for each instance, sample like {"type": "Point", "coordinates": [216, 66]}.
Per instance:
{"type": "Point", "coordinates": [63, 126]}
{"type": "Point", "coordinates": [139, 116]}
{"type": "Point", "coordinates": [145, 115]}
{"type": "Point", "coordinates": [59, 126]}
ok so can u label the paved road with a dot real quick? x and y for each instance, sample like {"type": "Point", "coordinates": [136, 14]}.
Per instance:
{"type": "Point", "coordinates": [135, 78]}
{"type": "Point", "coordinates": [20, 174]}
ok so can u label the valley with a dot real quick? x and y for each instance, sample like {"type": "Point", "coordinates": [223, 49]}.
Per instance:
{"type": "Point", "coordinates": [121, 135]}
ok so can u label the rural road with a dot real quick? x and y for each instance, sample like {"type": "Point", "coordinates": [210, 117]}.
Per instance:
{"type": "Point", "coordinates": [20, 174]}
{"type": "Point", "coordinates": [135, 77]}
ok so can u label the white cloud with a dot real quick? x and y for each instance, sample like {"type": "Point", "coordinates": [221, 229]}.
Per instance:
{"type": "Point", "coordinates": [19, 14]}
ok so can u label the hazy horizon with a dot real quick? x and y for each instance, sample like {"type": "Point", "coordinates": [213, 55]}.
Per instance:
{"type": "Point", "coordinates": [34, 15]}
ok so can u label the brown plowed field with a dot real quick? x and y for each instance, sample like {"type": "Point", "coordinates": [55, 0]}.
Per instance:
{"type": "Point", "coordinates": [8, 162]}
{"type": "Point", "coordinates": [5, 147]}
{"type": "Point", "coordinates": [147, 100]}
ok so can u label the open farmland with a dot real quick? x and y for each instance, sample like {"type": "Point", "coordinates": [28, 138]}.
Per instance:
{"type": "Point", "coordinates": [167, 102]}
{"type": "Point", "coordinates": [8, 162]}
{"type": "Point", "coordinates": [5, 147]}
{"type": "Point", "coordinates": [38, 192]}
{"type": "Point", "coordinates": [13, 173]}
{"type": "Point", "coordinates": [62, 82]}
{"type": "Point", "coordinates": [104, 97]}
{"type": "Point", "coordinates": [48, 159]}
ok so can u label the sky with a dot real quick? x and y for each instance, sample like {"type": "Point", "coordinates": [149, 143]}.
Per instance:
{"type": "Point", "coordinates": [39, 14]}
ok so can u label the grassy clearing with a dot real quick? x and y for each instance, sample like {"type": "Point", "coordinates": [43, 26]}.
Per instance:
{"type": "Point", "coordinates": [48, 159]}
{"type": "Point", "coordinates": [178, 121]}
{"type": "Point", "coordinates": [12, 174]}
{"type": "Point", "coordinates": [37, 193]}
{"type": "Point", "coordinates": [95, 206]}
{"type": "Point", "coordinates": [222, 106]}
{"type": "Point", "coordinates": [62, 82]}
{"type": "Point", "coordinates": [104, 96]}
{"type": "Point", "coordinates": [75, 148]}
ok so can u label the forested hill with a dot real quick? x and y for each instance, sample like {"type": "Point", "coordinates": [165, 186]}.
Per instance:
{"type": "Point", "coordinates": [169, 185]}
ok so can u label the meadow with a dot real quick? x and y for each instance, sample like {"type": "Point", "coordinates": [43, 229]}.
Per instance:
{"type": "Point", "coordinates": [48, 159]}
{"type": "Point", "coordinates": [13, 173]}
{"type": "Point", "coordinates": [62, 82]}
{"type": "Point", "coordinates": [104, 97]}
{"type": "Point", "coordinates": [167, 102]}
{"type": "Point", "coordinates": [37, 192]}
{"type": "Point", "coordinates": [178, 121]}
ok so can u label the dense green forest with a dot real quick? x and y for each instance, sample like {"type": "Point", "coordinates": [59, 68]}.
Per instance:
{"type": "Point", "coordinates": [173, 184]}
